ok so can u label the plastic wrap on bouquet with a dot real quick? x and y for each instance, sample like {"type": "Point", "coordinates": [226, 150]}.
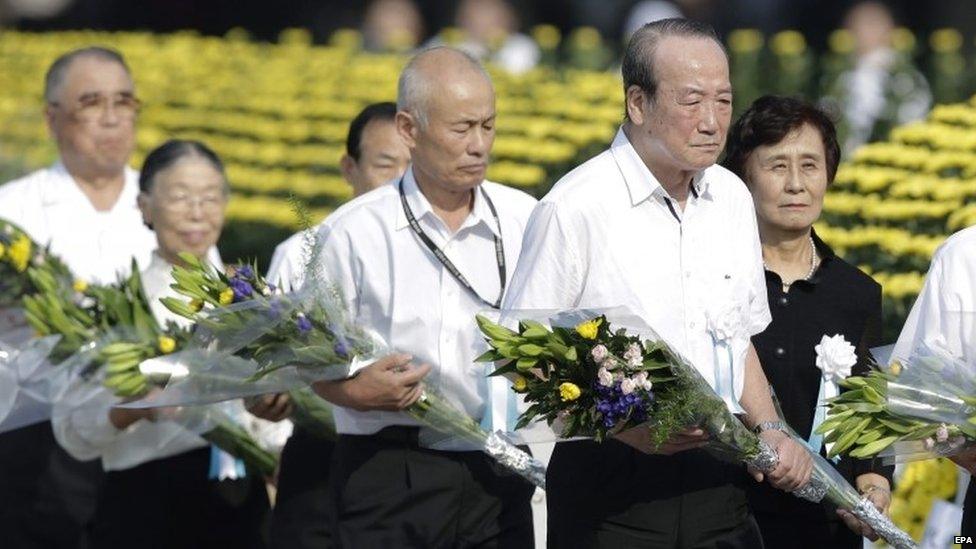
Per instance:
{"type": "Point", "coordinates": [678, 396]}
{"type": "Point", "coordinates": [447, 425]}
{"type": "Point", "coordinates": [28, 383]}
{"type": "Point", "coordinates": [87, 397]}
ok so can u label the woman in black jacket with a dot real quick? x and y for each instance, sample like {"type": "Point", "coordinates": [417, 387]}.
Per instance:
{"type": "Point", "coordinates": [786, 151]}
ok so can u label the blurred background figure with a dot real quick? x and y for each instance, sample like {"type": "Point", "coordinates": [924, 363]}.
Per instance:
{"type": "Point", "coordinates": [489, 32]}
{"type": "Point", "coordinates": [392, 25]}
{"type": "Point", "coordinates": [883, 88]}
{"type": "Point", "coordinates": [648, 11]}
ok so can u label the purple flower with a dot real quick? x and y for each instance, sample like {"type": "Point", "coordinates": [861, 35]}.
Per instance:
{"type": "Point", "coordinates": [303, 323]}
{"type": "Point", "coordinates": [242, 289]}
{"type": "Point", "coordinates": [244, 271]}
{"type": "Point", "coordinates": [340, 349]}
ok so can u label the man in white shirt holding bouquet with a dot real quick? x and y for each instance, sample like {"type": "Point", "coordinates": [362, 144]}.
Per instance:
{"type": "Point", "coordinates": [654, 225]}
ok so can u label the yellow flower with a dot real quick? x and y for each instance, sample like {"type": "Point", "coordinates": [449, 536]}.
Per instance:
{"type": "Point", "coordinates": [19, 253]}
{"type": "Point", "coordinates": [166, 344]}
{"type": "Point", "coordinates": [519, 384]}
{"type": "Point", "coordinates": [227, 296]}
{"type": "Point", "coordinates": [589, 328]}
{"type": "Point", "coordinates": [895, 368]}
{"type": "Point", "coordinates": [2, 249]}
{"type": "Point", "coordinates": [196, 304]}
{"type": "Point", "coordinates": [80, 285]}
{"type": "Point", "coordinates": [568, 391]}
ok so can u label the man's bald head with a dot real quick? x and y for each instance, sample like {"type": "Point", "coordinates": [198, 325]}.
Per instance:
{"type": "Point", "coordinates": [439, 67]}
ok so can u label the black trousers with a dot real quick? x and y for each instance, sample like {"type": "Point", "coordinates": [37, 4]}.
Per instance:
{"type": "Point", "coordinates": [787, 521]}
{"type": "Point", "coordinates": [170, 503]}
{"type": "Point", "coordinates": [47, 498]}
{"type": "Point", "coordinates": [386, 491]}
{"type": "Point", "coordinates": [300, 519]}
{"type": "Point", "coordinates": [968, 526]}
{"type": "Point", "coordinates": [610, 495]}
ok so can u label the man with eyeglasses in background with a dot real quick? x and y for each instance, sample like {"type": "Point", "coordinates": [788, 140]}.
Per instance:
{"type": "Point", "coordinates": [84, 208]}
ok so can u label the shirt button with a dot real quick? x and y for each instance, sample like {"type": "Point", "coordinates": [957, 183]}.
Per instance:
{"type": "Point", "coordinates": [691, 324]}
{"type": "Point", "coordinates": [780, 352]}
{"type": "Point", "coordinates": [687, 274]}
{"type": "Point", "coordinates": [784, 301]}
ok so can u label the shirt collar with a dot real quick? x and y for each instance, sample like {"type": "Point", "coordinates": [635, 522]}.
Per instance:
{"type": "Point", "coordinates": [641, 183]}
{"type": "Point", "coordinates": [420, 206]}
{"type": "Point", "coordinates": [826, 254]}
{"type": "Point", "coordinates": [64, 186]}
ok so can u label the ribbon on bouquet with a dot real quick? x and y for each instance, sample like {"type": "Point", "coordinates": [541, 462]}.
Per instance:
{"type": "Point", "coordinates": [724, 364]}
{"type": "Point", "coordinates": [828, 389]}
{"type": "Point", "coordinates": [835, 359]}
{"type": "Point", "coordinates": [501, 409]}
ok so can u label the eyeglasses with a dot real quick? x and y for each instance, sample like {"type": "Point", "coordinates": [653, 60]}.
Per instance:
{"type": "Point", "coordinates": [182, 202]}
{"type": "Point", "coordinates": [92, 106]}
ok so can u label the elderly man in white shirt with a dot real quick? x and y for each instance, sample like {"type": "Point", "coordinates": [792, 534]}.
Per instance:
{"type": "Point", "coordinates": [84, 208]}
{"type": "Point", "coordinates": [944, 317]}
{"type": "Point", "coordinates": [375, 155]}
{"type": "Point", "coordinates": [654, 225]}
{"type": "Point", "coordinates": [415, 261]}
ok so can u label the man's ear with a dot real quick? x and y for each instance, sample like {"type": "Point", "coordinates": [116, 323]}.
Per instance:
{"type": "Point", "coordinates": [407, 127]}
{"type": "Point", "coordinates": [347, 164]}
{"type": "Point", "coordinates": [143, 202]}
{"type": "Point", "coordinates": [49, 118]}
{"type": "Point", "coordinates": [637, 104]}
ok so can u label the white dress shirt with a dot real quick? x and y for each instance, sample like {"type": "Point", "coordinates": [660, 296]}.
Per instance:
{"type": "Point", "coordinates": [96, 246]}
{"type": "Point", "coordinates": [605, 236]}
{"type": "Point", "coordinates": [287, 267]}
{"type": "Point", "coordinates": [393, 284]}
{"type": "Point", "coordinates": [942, 317]}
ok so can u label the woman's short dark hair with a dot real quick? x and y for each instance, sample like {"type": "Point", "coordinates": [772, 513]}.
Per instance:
{"type": "Point", "coordinates": [171, 152]}
{"type": "Point", "coordinates": [768, 121]}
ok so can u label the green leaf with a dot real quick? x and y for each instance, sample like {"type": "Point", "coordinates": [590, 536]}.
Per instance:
{"type": "Point", "coordinates": [531, 349]}
{"type": "Point", "coordinates": [488, 356]}
{"type": "Point", "coordinates": [873, 448]}
{"type": "Point", "coordinates": [526, 363]}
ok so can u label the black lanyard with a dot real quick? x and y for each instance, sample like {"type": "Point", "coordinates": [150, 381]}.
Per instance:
{"type": "Point", "coordinates": [446, 262]}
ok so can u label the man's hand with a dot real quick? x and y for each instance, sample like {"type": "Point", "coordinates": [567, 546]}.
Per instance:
{"type": "Point", "coordinates": [966, 459]}
{"type": "Point", "coordinates": [795, 463]}
{"type": "Point", "coordinates": [876, 488]}
{"type": "Point", "coordinates": [272, 407]}
{"type": "Point", "coordinates": [640, 438]}
{"type": "Point", "coordinates": [391, 383]}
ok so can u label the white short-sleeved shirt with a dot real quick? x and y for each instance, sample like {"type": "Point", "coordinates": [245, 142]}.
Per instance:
{"type": "Point", "coordinates": [287, 266]}
{"type": "Point", "coordinates": [605, 236]}
{"type": "Point", "coordinates": [393, 284]}
{"type": "Point", "coordinates": [97, 246]}
{"type": "Point", "coordinates": [943, 315]}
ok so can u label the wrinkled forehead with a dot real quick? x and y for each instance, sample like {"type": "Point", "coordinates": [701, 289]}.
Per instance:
{"type": "Point", "coordinates": [93, 75]}
{"type": "Point", "coordinates": [681, 61]}
{"type": "Point", "coordinates": [462, 96]}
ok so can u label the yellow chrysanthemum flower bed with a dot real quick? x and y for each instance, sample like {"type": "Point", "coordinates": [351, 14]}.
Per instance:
{"type": "Point", "coordinates": [278, 115]}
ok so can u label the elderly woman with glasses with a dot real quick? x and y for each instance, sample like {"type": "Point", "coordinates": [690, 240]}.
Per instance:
{"type": "Point", "coordinates": [164, 485]}
{"type": "Point", "coordinates": [787, 153]}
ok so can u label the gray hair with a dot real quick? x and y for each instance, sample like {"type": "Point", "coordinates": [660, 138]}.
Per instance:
{"type": "Point", "coordinates": [413, 87]}
{"type": "Point", "coordinates": [638, 62]}
{"type": "Point", "coordinates": [56, 73]}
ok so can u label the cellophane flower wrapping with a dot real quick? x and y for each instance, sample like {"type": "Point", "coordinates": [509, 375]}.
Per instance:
{"type": "Point", "coordinates": [593, 373]}
{"type": "Point", "coordinates": [28, 383]}
{"type": "Point", "coordinates": [252, 339]}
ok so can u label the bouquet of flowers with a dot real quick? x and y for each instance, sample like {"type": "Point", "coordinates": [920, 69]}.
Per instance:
{"type": "Point", "coordinates": [253, 339]}
{"type": "Point", "coordinates": [19, 256]}
{"type": "Point", "coordinates": [105, 333]}
{"type": "Point", "coordinates": [922, 408]}
{"type": "Point", "coordinates": [585, 377]}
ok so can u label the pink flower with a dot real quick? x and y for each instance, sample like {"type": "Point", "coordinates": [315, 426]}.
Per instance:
{"type": "Point", "coordinates": [634, 356]}
{"type": "Point", "coordinates": [942, 434]}
{"type": "Point", "coordinates": [599, 353]}
{"type": "Point", "coordinates": [640, 379]}
{"type": "Point", "coordinates": [604, 377]}
{"type": "Point", "coordinates": [627, 386]}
